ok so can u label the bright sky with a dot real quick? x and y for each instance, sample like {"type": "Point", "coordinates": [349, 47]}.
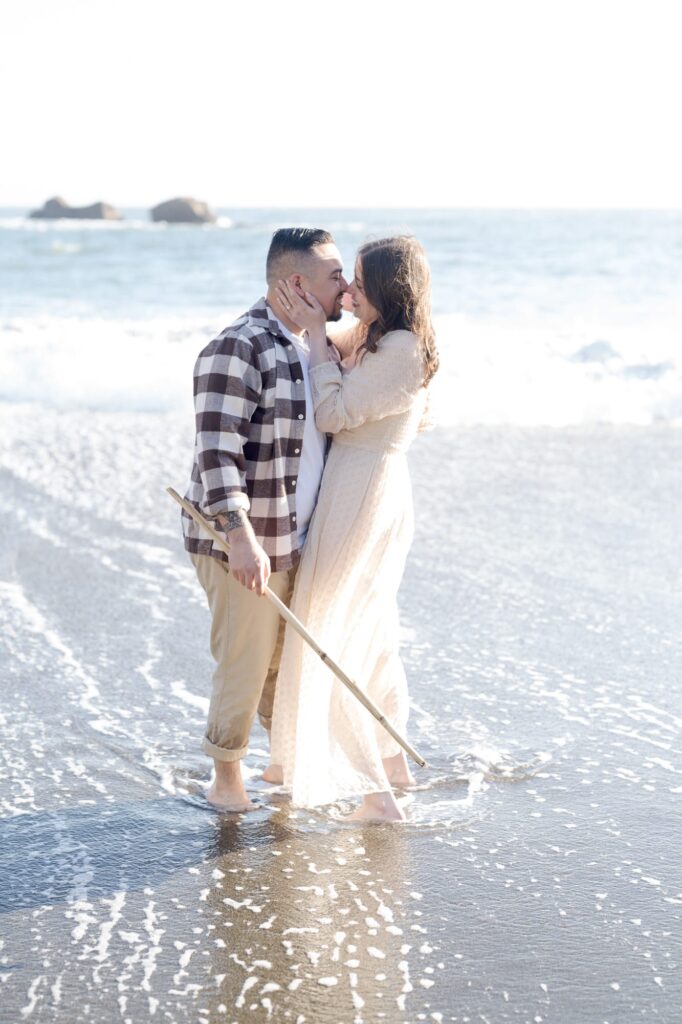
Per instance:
{"type": "Point", "coordinates": [568, 103]}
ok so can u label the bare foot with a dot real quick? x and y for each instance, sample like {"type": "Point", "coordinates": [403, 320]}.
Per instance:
{"type": "Point", "coordinates": [273, 773]}
{"type": "Point", "coordinates": [378, 807]}
{"type": "Point", "coordinates": [397, 771]}
{"type": "Point", "coordinates": [227, 791]}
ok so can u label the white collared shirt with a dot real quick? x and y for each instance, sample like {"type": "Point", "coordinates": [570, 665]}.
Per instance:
{"type": "Point", "coordinates": [314, 443]}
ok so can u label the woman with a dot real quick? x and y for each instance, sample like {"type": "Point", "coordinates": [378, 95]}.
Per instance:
{"type": "Point", "coordinates": [328, 745]}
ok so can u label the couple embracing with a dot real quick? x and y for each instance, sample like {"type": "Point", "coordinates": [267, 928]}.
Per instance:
{"type": "Point", "coordinates": [299, 459]}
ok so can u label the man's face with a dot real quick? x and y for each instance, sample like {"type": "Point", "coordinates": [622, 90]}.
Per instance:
{"type": "Point", "coordinates": [324, 279]}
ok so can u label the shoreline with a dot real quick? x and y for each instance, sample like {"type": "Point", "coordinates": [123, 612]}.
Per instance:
{"type": "Point", "coordinates": [540, 617]}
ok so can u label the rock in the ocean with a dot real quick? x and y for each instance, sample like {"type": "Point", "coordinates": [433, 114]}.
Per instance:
{"type": "Point", "coordinates": [183, 211]}
{"type": "Point", "coordinates": [57, 207]}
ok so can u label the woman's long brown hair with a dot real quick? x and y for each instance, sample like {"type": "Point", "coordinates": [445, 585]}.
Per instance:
{"type": "Point", "coordinates": [397, 281]}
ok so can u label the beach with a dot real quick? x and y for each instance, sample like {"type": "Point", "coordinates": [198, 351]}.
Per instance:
{"type": "Point", "coordinates": [538, 877]}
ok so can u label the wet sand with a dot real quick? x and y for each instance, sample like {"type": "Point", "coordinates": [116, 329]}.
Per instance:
{"type": "Point", "coordinates": [538, 878]}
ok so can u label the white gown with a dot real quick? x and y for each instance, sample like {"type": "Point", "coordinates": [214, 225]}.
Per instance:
{"type": "Point", "coordinates": [330, 747]}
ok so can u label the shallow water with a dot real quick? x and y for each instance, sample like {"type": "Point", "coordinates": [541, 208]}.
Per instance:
{"type": "Point", "coordinates": [538, 877]}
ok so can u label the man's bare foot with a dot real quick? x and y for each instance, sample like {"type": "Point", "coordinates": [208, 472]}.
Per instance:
{"type": "Point", "coordinates": [273, 773]}
{"type": "Point", "coordinates": [397, 771]}
{"type": "Point", "coordinates": [378, 807]}
{"type": "Point", "coordinates": [227, 791]}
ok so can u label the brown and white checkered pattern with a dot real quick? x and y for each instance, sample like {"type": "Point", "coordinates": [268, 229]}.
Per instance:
{"type": "Point", "coordinates": [249, 400]}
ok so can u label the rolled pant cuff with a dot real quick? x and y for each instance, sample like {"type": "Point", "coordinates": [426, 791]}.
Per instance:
{"type": "Point", "coordinates": [221, 753]}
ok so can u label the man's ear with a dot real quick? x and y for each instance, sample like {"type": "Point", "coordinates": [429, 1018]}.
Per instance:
{"type": "Point", "coordinates": [295, 282]}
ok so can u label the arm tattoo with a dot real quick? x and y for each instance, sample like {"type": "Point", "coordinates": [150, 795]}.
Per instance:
{"type": "Point", "coordinates": [233, 520]}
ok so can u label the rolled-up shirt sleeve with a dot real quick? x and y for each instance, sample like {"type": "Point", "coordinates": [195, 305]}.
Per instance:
{"type": "Point", "coordinates": [383, 383]}
{"type": "Point", "coordinates": [227, 387]}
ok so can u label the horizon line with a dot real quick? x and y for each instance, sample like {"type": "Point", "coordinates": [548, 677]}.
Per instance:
{"type": "Point", "coordinates": [373, 206]}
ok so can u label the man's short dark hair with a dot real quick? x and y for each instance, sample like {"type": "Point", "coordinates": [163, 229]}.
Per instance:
{"type": "Point", "coordinates": [291, 241]}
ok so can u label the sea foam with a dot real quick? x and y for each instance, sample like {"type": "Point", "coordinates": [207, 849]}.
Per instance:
{"type": "Point", "coordinates": [494, 373]}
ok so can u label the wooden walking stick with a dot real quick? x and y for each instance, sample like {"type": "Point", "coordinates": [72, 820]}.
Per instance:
{"type": "Point", "coordinates": [302, 631]}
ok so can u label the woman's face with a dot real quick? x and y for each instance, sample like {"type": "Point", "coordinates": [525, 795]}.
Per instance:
{"type": "Point", "coordinates": [362, 307]}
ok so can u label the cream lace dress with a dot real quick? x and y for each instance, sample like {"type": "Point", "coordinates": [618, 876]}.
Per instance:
{"type": "Point", "coordinates": [330, 747]}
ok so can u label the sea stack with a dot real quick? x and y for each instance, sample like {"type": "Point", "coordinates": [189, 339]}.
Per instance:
{"type": "Point", "coordinates": [183, 211]}
{"type": "Point", "coordinates": [57, 207]}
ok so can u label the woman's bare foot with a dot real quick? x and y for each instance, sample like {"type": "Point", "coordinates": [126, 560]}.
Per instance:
{"type": "Point", "coordinates": [397, 771]}
{"type": "Point", "coordinates": [378, 807]}
{"type": "Point", "coordinates": [273, 773]}
{"type": "Point", "coordinates": [227, 791]}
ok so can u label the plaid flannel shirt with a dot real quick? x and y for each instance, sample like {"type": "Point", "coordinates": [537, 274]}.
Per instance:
{"type": "Point", "coordinates": [250, 409]}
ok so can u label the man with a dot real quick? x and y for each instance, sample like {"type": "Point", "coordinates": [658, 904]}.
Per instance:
{"type": "Point", "coordinates": [258, 461]}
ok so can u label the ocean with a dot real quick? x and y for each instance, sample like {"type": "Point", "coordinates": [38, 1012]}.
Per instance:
{"type": "Point", "coordinates": [538, 877]}
{"type": "Point", "coordinates": [544, 318]}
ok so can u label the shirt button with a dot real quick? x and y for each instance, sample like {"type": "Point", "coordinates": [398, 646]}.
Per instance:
{"type": "Point", "coordinates": [293, 483]}
{"type": "Point", "coordinates": [297, 451]}
{"type": "Point", "coordinates": [300, 415]}
{"type": "Point", "coordinates": [299, 381]}
{"type": "Point", "coordinates": [293, 519]}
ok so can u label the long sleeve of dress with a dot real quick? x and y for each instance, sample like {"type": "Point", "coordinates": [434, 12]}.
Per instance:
{"type": "Point", "coordinates": [383, 383]}
{"type": "Point", "coordinates": [345, 340]}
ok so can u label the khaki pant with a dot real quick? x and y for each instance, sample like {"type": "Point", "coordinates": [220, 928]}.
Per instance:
{"type": "Point", "coordinates": [247, 635]}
